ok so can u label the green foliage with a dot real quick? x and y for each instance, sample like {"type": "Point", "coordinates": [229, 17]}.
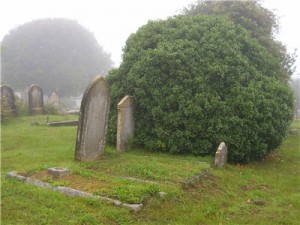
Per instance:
{"type": "Point", "coordinates": [259, 21]}
{"type": "Point", "coordinates": [201, 80]}
{"type": "Point", "coordinates": [50, 108]}
{"type": "Point", "coordinates": [22, 107]}
{"type": "Point", "coordinates": [58, 54]}
{"type": "Point", "coordinates": [5, 114]}
{"type": "Point", "coordinates": [131, 193]}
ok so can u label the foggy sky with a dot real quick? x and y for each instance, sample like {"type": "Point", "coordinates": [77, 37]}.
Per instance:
{"type": "Point", "coordinates": [112, 21]}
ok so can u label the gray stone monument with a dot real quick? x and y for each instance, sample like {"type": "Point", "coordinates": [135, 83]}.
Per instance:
{"type": "Point", "coordinates": [125, 122]}
{"type": "Point", "coordinates": [35, 99]}
{"type": "Point", "coordinates": [54, 99]}
{"type": "Point", "coordinates": [8, 106]}
{"type": "Point", "coordinates": [221, 155]}
{"type": "Point", "coordinates": [93, 121]}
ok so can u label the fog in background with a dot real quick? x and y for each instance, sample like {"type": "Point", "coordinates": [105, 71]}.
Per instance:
{"type": "Point", "coordinates": [112, 21]}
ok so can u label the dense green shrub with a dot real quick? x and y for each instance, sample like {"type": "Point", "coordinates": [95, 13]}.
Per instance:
{"type": "Point", "coordinates": [198, 81]}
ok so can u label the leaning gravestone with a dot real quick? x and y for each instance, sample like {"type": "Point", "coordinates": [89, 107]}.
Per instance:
{"type": "Point", "coordinates": [125, 122]}
{"type": "Point", "coordinates": [93, 121]}
{"type": "Point", "coordinates": [35, 99]}
{"type": "Point", "coordinates": [221, 155]}
{"type": "Point", "coordinates": [8, 106]}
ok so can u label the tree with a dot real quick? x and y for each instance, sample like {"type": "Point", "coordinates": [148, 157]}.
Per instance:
{"type": "Point", "coordinates": [201, 80]}
{"type": "Point", "coordinates": [259, 21]}
{"type": "Point", "coordinates": [58, 54]}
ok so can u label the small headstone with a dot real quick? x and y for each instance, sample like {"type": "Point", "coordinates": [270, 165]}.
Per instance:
{"type": "Point", "coordinates": [221, 155]}
{"type": "Point", "coordinates": [54, 99]}
{"type": "Point", "coordinates": [8, 106]}
{"type": "Point", "coordinates": [125, 122]}
{"type": "Point", "coordinates": [93, 121]}
{"type": "Point", "coordinates": [35, 100]}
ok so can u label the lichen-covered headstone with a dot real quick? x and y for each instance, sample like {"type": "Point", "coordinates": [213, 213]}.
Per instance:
{"type": "Point", "coordinates": [93, 121]}
{"type": "Point", "coordinates": [125, 122]}
{"type": "Point", "coordinates": [35, 99]}
{"type": "Point", "coordinates": [221, 155]}
{"type": "Point", "coordinates": [8, 106]}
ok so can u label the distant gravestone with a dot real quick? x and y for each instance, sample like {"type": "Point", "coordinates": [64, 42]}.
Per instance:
{"type": "Point", "coordinates": [125, 122]}
{"type": "Point", "coordinates": [54, 99]}
{"type": "Point", "coordinates": [35, 100]}
{"type": "Point", "coordinates": [221, 155]}
{"type": "Point", "coordinates": [8, 106]}
{"type": "Point", "coordinates": [93, 121]}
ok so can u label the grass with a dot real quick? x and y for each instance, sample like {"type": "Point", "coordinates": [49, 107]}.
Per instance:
{"type": "Point", "coordinates": [266, 192]}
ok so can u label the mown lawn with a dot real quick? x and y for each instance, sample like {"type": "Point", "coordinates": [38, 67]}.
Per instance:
{"type": "Point", "coordinates": [266, 192]}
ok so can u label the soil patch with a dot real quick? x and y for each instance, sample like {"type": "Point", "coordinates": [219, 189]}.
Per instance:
{"type": "Point", "coordinates": [74, 181]}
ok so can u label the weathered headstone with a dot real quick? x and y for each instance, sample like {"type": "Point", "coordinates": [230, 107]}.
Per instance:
{"type": "Point", "coordinates": [221, 155]}
{"type": "Point", "coordinates": [54, 99]}
{"type": "Point", "coordinates": [93, 121]}
{"type": "Point", "coordinates": [125, 122]}
{"type": "Point", "coordinates": [8, 106]}
{"type": "Point", "coordinates": [35, 100]}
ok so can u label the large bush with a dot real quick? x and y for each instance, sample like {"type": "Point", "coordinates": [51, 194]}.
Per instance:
{"type": "Point", "coordinates": [198, 81]}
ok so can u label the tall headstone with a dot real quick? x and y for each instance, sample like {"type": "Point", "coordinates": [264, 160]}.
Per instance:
{"type": "Point", "coordinates": [8, 106]}
{"type": "Point", "coordinates": [93, 121]}
{"type": "Point", "coordinates": [35, 99]}
{"type": "Point", "coordinates": [54, 99]}
{"type": "Point", "coordinates": [125, 122]}
{"type": "Point", "coordinates": [221, 155]}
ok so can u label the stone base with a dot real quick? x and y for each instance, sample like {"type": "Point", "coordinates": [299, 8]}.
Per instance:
{"type": "Point", "coordinates": [57, 172]}
{"type": "Point", "coordinates": [73, 192]}
{"type": "Point", "coordinates": [63, 123]}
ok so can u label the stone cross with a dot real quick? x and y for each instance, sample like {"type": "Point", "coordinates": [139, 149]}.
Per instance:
{"type": "Point", "coordinates": [221, 155]}
{"type": "Point", "coordinates": [8, 106]}
{"type": "Point", "coordinates": [93, 121]}
{"type": "Point", "coordinates": [125, 122]}
{"type": "Point", "coordinates": [35, 99]}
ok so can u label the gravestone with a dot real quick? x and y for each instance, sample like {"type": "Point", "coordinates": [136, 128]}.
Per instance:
{"type": "Point", "coordinates": [93, 121]}
{"type": "Point", "coordinates": [35, 99]}
{"type": "Point", "coordinates": [8, 106]}
{"type": "Point", "coordinates": [125, 122]}
{"type": "Point", "coordinates": [221, 155]}
{"type": "Point", "coordinates": [54, 99]}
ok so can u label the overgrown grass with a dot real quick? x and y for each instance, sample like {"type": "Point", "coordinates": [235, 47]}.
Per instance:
{"type": "Point", "coordinates": [265, 192]}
